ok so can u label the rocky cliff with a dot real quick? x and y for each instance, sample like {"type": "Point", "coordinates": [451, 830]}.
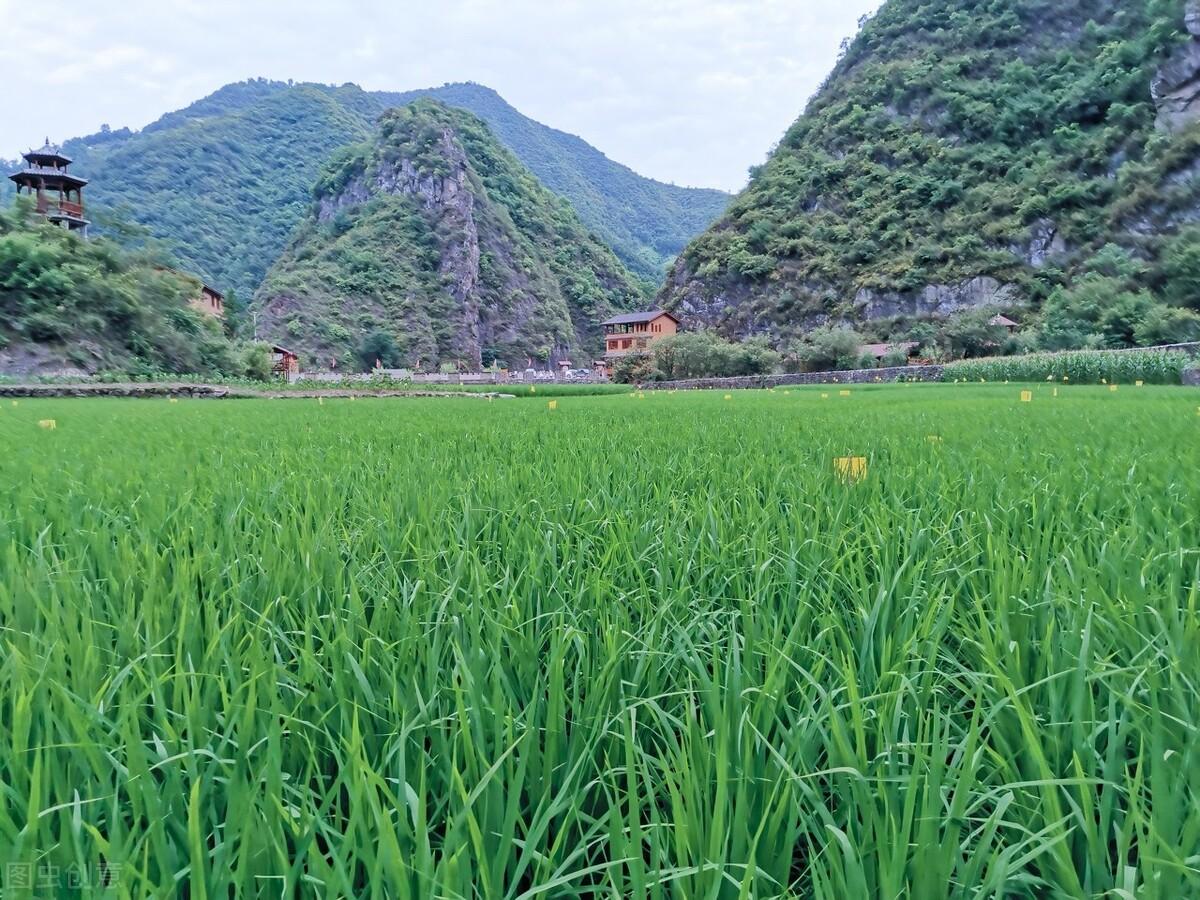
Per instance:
{"type": "Point", "coordinates": [432, 239]}
{"type": "Point", "coordinates": [961, 154]}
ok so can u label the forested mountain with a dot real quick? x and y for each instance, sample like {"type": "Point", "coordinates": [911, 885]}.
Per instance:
{"type": "Point", "coordinates": [1010, 153]}
{"type": "Point", "coordinates": [432, 244]}
{"type": "Point", "coordinates": [224, 181]}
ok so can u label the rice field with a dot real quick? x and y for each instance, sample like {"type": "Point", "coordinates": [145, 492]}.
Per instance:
{"type": "Point", "coordinates": [646, 646]}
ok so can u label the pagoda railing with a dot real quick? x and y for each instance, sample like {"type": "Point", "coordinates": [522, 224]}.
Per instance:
{"type": "Point", "coordinates": [46, 206]}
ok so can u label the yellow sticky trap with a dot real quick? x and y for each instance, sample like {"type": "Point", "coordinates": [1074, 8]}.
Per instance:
{"type": "Point", "coordinates": [48, 424]}
{"type": "Point", "coordinates": [1112, 388]}
{"type": "Point", "coordinates": [843, 393]}
{"type": "Point", "coordinates": [1026, 396]}
{"type": "Point", "coordinates": [1049, 377]}
{"type": "Point", "coordinates": [641, 396]}
{"type": "Point", "coordinates": [14, 403]}
{"type": "Point", "coordinates": [1138, 383]}
{"type": "Point", "coordinates": [553, 404]}
{"type": "Point", "coordinates": [983, 381]}
{"type": "Point", "coordinates": [532, 389]}
{"type": "Point", "coordinates": [320, 401]}
{"type": "Point", "coordinates": [1056, 392]}
{"type": "Point", "coordinates": [850, 468]}
{"type": "Point", "coordinates": [1065, 378]}
{"type": "Point", "coordinates": [729, 396]}
{"type": "Point", "coordinates": [934, 438]}
{"type": "Point", "coordinates": [353, 398]}
{"type": "Point", "coordinates": [1104, 381]}
{"type": "Point", "coordinates": [172, 399]}
{"type": "Point", "coordinates": [824, 396]}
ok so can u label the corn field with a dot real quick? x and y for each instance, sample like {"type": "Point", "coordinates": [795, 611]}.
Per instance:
{"type": "Point", "coordinates": [1078, 366]}
{"type": "Point", "coordinates": [644, 646]}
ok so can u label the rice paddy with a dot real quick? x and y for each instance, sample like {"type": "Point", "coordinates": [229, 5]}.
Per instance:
{"type": "Point", "coordinates": [656, 645]}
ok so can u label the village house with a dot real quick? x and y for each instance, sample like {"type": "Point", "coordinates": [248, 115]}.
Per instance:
{"type": "Point", "coordinates": [634, 333]}
{"type": "Point", "coordinates": [284, 363]}
{"type": "Point", "coordinates": [1004, 322]}
{"type": "Point", "coordinates": [879, 351]}
{"type": "Point", "coordinates": [210, 301]}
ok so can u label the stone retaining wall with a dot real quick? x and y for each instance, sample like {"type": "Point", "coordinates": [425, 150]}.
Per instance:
{"type": "Point", "coordinates": [856, 376]}
{"type": "Point", "coordinates": [215, 392]}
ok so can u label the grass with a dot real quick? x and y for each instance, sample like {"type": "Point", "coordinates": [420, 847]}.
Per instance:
{"type": "Point", "coordinates": [626, 648]}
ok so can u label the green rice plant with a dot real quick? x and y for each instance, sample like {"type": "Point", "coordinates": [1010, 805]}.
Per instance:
{"type": "Point", "coordinates": [1078, 366]}
{"type": "Point", "coordinates": [646, 646]}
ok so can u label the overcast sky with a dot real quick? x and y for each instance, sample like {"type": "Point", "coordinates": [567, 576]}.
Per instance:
{"type": "Point", "coordinates": [689, 91]}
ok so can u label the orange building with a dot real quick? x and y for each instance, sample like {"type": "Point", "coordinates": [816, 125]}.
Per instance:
{"type": "Point", "coordinates": [635, 332]}
{"type": "Point", "coordinates": [210, 301]}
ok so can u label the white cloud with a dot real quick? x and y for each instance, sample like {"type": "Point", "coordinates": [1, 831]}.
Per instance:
{"type": "Point", "coordinates": [690, 91]}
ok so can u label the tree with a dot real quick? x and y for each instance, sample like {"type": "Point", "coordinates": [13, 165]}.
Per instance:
{"type": "Point", "coordinates": [1167, 325]}
{"type": "Point", "coordinates": [969, 333]}
{"type": "Point", "coordinates": [379, 346]}
{"type": "Point", "coordinates": [634, 368]}
{"type": "Point", "coordinates": [1181, 269]}
{"type": "Point", "coordinates": [830, 348]}
{"type": "Point", "coordinates": [1097, 311]}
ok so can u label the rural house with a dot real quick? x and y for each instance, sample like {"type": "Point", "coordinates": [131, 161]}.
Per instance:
{"type": "Point", "coordinates": [879, 351]}
{"type": "Point", "coordinates": [1004, 322]}
{"type": "Point", "coordinates": [634, 333]}
{"type": "Point", "coordinates": [210, 301]}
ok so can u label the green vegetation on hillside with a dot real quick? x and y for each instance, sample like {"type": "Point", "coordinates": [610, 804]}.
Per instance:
{"type": "Point", "coordinates": [225, 181]}
{"type": "Point", "coordinates": [440, 247]}
{"type": "Point", "coordinates": [222, 190]}
{"type": "Point", "coordinates": [1013, 139]}
{"type": "Point", "coordinates": [648, 648]}
{"type": "Point", "coordinates": [66, 302]}
{"type": "Point", "coordinates": [645, 222]}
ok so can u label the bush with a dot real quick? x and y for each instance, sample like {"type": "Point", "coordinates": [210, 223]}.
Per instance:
{"type": "Point", "coordinates": [894, 358]}
{"type": "Point", "coordinates": [703, 354]}
{"type": "Point", "coordinates": [1167, 325]}
{"type": "Point", "coordinates": [378, 346]}
{"type": "Point", "coordinates": [969, 333]}
{"type": "Point", "coordinates": [830, 348]}
{"type": "Point", "coordinates": [256, 362]}
{"type": "Point", "coordinates": [635, 368]}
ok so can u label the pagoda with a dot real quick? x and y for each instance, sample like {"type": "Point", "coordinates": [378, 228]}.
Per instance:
{"type": "Point", "coordinates": [59, 194]}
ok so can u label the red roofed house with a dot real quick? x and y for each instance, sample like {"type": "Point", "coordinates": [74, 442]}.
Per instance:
{"type": "Point", "coordinates": [284, 362]}
{"type": "Point", "coordinates": [1004, 322]}
{"type": "Point", "coordinates": [879, 351]}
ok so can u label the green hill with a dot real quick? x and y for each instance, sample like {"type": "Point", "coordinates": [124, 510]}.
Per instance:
{"type": "Point", "coordinates": [223, 182]}
{"type": "Point", "coordinates": [88, 306]}
{"type": "Point", "coordinates": [432, 244]}
{"type": "Point", "coordinates": [966, 154]}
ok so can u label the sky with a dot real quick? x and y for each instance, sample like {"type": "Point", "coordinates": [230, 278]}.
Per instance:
{"type": "Point", "coordinates": [692, 92]}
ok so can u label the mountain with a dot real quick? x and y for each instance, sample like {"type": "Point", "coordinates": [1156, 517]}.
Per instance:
{"type": "Point", "coordinates": [966, 154]}
{"type": "Point", "coordinates": [432, 243]}
{"type": "Point", "coordinates": [647, 223]}
{"type": "Point", "coordinates": [223, 182]}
